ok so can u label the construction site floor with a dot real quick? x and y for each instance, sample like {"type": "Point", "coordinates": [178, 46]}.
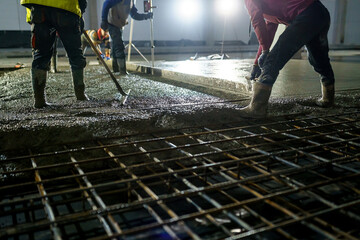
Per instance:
{"type": "Point", "coordinates": [177, 161]}
{"type": "Point", "coordinates": [185, 91]}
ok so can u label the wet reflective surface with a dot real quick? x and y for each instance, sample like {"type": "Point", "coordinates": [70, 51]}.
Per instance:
{"type": "Point", "coordinates": [296, 78]}
{"type": "Point", "coordinates": [155, 102]}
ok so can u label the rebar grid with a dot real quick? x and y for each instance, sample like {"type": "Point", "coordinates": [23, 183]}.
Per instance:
{"type": "Point", "coordinates": [290, 177]}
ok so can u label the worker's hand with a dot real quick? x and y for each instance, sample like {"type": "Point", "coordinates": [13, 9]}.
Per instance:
{"type": "Point", "coordinates": [255, 72]}
{"type": "Point", "coordinates": [104, 25]}
{"type": "Point", "coordinates": [262, 58]}
{"type": "Point", "coordinates": [149, 15]}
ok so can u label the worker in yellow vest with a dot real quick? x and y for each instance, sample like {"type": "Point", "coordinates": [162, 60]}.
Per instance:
{"type": "Point", "coordinates": [48, 17]}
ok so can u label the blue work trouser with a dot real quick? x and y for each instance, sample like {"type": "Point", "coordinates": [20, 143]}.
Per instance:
{"type": "Point", "coordinates": [310, 28]}
{"type": "Point", "coordinates": [118, 47]}
{"type": "Point", "coordinates": [44, 28]}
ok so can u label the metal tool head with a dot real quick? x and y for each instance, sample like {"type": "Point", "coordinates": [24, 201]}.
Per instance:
{"type": "Point", "coordinates": [123, 98]}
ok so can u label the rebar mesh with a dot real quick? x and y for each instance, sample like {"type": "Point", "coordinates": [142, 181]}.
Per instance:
{"type": "Point", "coordinates": [291, 177]}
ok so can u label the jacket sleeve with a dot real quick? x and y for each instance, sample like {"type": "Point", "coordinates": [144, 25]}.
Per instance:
{"type": "Point", "coordinates": [106, 7]}
{"type": "Point", "coordinates": [82, 5]}
{"type": "Point", "coordinates": [135, 15]}
{"type": "Point", "coordinates": [258, 55]}
{"type": "Point", "coordinates": [271, 30]}
{"type": "Point", "coordinates": [254, 8]}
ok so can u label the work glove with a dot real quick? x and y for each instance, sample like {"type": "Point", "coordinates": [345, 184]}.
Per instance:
{"type": "Point", "coordinates": [148, 15]}
{"type": "Point", "coordinates": [255, 72]}
{"type": "Point", "coordinates": [262, 58]}
{"type": "Point", "coordinates": [104, 25]}
{"type": "Point", "coordinates": [102, 55]}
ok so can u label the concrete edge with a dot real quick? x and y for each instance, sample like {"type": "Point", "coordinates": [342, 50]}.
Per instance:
{"type": "Point", "coordinates": [213, 83]}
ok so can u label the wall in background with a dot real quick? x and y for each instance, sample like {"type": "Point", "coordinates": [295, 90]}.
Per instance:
{"type": "Point", "coordinates": [169, 26]}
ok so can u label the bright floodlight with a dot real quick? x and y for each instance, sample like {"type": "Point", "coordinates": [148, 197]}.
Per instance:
{"type": "Point", "coordinates": [189, 9]}
{"type": "Point", "coordinates": [227, 7]}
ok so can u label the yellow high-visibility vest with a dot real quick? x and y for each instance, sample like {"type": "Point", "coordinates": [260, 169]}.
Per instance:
{"type": "Point", "coordinates": [68, 5]}
{"type": "Point", "coordinates": [28, 15]}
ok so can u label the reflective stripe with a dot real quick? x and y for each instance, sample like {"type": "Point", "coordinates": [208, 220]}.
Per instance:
{"type": "Point", "coordinates": [33, 41]}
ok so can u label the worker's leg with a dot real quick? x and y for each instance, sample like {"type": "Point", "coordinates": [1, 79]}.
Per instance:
{"type": "Point", "coordinates": [302, 30]}
{"type": "Point", "coordinates": [42, 41]}
{"type": "Point", "coordinates": [305, 27]}
{"type": "Point", "coordinates": [107, 49]}
{"type": "Point", "coordinates": [318, 54]}
{"type": "Point", "coordinates": [118, 49]}
{"type": "Point", "coordinates": [68, 27]}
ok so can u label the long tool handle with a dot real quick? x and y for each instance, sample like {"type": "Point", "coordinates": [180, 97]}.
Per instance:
{"type": "Point", "coordinates": [152, 38]}
{"type": "Point", "coordinates": [104, 63]}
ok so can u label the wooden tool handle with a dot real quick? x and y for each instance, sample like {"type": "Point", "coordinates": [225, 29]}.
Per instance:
{"type": "Point", "coordinates": [104, 63]}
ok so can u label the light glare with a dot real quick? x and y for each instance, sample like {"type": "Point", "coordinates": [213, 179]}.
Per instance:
{"type": "Point", "coordinates": [189, 9]}
{"type": "Point", "coordinates": [226, 7]}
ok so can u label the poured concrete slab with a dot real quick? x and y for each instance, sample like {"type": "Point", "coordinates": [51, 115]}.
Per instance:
{"type": "Point", "coordinates": [296, 78]}
{"type": "Point", "coordinates": [154, 102]}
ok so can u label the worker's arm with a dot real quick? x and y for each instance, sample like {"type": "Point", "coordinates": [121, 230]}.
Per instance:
{"type": "Point", "coordinates": [139, 16]}
{"type": "Point", "coordinates": [271, 30]}
{"type": "Point", "coordinates": [106, 7]}
{"type": "Point", "coordinates": [82, 5]}
{"type": "Point", "coordinates": [257, 19]}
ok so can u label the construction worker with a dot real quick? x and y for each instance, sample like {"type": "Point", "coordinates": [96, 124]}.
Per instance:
{"type": "Point", "coordinates": [308, 23]}
{"type": "Point", "coordinates": [54, 57]}
{"type": "Point", "coordinates": [114, 17]}
{"type": "Point", "coordinates": [48, 17]}
{"type": "Point", "coordinates": [97, 37]}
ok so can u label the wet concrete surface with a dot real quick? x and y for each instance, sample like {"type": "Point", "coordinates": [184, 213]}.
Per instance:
{"type": "Point", "coordinates": [154, 102]}
{"type": "Point", "coordinates": [296, 78]}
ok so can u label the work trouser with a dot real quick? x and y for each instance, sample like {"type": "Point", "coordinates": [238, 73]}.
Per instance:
{"type": "Point", "coordinates": [117, 43]}
{"type": "Point", "coordinates": [46, 23]}
{"type": "Point", "coordinates": [310, 28]}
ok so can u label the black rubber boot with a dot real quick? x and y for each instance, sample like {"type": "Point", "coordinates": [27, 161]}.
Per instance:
{"type": "Point", "coordinates": [328, 96]}
{"type": "Point", "coordinates": [39, 77]}
{"type": "Point", "coordinates": [79, 86]}
{"type": "Point", "coordinates": [259, 102]}
{"type": "Point", "coordinates": [122, 65]}
{"type": "Point", "coordinates": [115, 65]}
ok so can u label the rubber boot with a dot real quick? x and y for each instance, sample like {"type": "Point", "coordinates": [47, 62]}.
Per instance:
{"type": "Point", "coordinates": [39, 77]}
{"type": "Point", "coordinates": [259, 102]}
{"type": "Point", "coordinates": [115, 65]}
{"type": "Point", "coordinates": [79, 86]}
{"type": "Point", "coordinates": [328, 96]}
{"type": "Point", "coordinates": [122, 65]}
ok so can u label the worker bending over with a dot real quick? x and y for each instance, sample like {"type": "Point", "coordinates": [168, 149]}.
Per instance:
{"type": "Point", "coordinates": [114, 17]}
{"type": "Point", "coordinates": [308, 23]}
{"type": "Point", "coordinates": [97, 37]}
{"type": "Point", "coordinates": [49, 17]}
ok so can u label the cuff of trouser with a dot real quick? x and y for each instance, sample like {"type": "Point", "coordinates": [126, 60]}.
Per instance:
{"type": "Point", "coordinates": [327, 81]}
{"type": "Point", "coordinates": [266, 79]}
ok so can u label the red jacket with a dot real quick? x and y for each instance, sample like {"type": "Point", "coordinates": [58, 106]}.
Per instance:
{"type": "Point", "coordinates": [267, 14]}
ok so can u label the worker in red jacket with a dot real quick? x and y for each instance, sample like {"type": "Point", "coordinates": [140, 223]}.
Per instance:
{"type": "Point", "coordinates": [308, 23]}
